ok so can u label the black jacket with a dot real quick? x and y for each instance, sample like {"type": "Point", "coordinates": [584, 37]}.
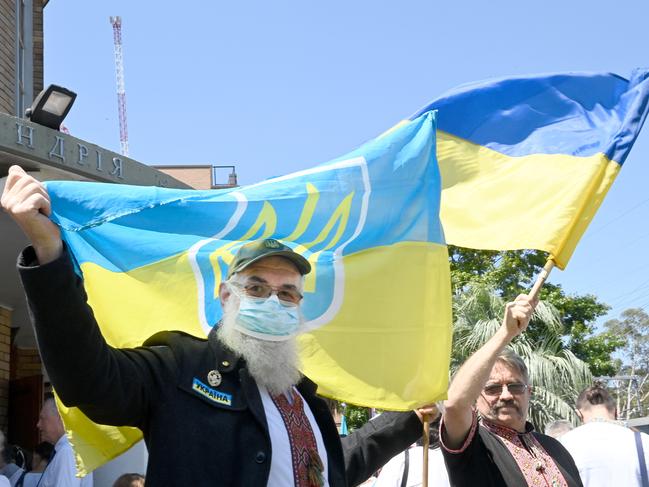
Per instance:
{"type": "Point", "coordinates": [486, 461]}
{"type": "Point", "coordinates": [193, 436]}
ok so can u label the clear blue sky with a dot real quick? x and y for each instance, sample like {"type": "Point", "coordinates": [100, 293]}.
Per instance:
{"type": "Point", "coordinates": [274, 87]}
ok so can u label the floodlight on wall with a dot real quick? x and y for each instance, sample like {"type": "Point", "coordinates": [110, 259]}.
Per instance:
{"type": "Point", "coordinates": [51, 106]}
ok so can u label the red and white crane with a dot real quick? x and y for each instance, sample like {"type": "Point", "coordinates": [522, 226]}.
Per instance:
{"type": "Point", "coordinates": [121, 92]}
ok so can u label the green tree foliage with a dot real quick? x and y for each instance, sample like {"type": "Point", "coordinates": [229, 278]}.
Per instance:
{"type": "Point", "coordinates": [357, 416]}
{"type": "Point", "coordinates": [510, 273]}
{"type": "Point", "coordinates": [632, 395]}
{"type": "Point", "coordinates": [557, 375]}
{"type": "Point", "coordinates": [633, 328]}
{"type": "Point", "coordinates": [595, 348]}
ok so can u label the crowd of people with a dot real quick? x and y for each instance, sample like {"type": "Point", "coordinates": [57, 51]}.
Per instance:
{"type": "Point", "coordinates": [22, 472]}
{"type": "Point", "coordinates": [605, 452]}
{"type": "Point", "coordinates": [23, 468]}
{"type": "Point", "coordinates": [19, 467]}
{"type": "Point", "coordinates": [52, 462]}
{"type": "Point", "coordinates": [234, 409]}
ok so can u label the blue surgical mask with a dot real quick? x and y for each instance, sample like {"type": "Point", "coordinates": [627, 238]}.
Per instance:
{"type": "Point", "coordinates": [267, 319]}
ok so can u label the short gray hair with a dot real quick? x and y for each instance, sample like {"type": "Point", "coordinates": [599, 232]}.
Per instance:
{"type": "Point", "coordinates": [514, 361]}
{"type": "Point", "coordinates": [49, 403]}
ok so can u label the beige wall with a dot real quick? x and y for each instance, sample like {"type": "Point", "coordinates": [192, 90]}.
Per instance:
{"type": "Point", "coordinates": [196, 177]}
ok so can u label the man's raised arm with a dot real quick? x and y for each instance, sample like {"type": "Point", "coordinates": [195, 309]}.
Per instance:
{"type": "Point", "coordinates": [111, 386]}
{"type": "Point", "coordinates": [472, 376]}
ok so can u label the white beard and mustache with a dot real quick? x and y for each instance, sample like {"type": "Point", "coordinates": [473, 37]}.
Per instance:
{"type": "Point", "coordinates": [274, 365]}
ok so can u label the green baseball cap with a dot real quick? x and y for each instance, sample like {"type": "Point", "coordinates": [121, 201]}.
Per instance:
{"type": "Point", "coordinates": [260, 249]}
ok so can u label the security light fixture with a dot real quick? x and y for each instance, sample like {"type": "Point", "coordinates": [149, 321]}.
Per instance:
{"type": "Point", "coordinates": [51, 106]}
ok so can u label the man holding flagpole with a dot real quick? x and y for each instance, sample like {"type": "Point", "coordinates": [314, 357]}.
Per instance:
{"type": "Point", "coordinates": [234, 407]}
{"type": "Point", "coordinates": [485, 436]}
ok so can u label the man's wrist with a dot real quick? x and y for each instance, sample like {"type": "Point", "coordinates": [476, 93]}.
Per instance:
{"type": "Point", "coordinates": [504, 335]}
{"type": "Point", "coordinates": [46, 253]}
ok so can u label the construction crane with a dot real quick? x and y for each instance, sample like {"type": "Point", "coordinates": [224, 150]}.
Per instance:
{"type": "Point", "coordinates": [121, 92]}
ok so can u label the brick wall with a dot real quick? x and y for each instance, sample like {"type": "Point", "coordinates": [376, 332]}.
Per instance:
{"type": "Point", "coordinates": [38, 46]}
{"type": "Point", "coordinates": [8, 52]}
{"type": "Point", "coordinates": [25, 362]}
{"type": "Point", "coordinates": [5, 360]}
{"type": "Point", "coordinates": [7, 56]}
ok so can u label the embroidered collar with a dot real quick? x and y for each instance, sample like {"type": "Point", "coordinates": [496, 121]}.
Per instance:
{"type": "Point", "coordinates": [505, 431]}
{"type": "Point", "coordinates": [536, 465]}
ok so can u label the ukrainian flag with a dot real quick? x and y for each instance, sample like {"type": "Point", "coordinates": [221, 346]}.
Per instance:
{"type": "Point", "coordinates": [377, 303]}
{"type": "Point", "coordinates": [526, 161]}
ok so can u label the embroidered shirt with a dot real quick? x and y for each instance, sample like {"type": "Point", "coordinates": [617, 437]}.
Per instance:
{"type": "Point", "coordinates": [537, 466]}
{"type": "Point", "coordinates": [281, 465]}
{"type": "Point", "coordinates": [492, 455]}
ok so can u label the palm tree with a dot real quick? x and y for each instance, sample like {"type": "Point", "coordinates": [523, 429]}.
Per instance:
{"type": "Point", "coordinates": [556, 374]}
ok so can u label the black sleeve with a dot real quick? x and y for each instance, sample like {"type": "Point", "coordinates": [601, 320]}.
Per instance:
{"type": "Point", "coordinates": [372, 446]}
{"type": "Point", "coordinates": [111, 386]}
{"type": "Point", "coordinates": [473, 464]}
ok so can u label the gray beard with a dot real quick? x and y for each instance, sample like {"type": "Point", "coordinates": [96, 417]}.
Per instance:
{"type": "Point", "coordinates": [273, 365]}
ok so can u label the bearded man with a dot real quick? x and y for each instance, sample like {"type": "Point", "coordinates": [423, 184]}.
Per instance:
{"type": "Point", "coordinates": [230, 410]}
{"type": "Point", "coordinates": [485, 436]}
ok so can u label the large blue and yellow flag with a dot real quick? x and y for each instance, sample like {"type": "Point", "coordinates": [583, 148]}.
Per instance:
{"type": "Point", "coordinates": [526, 161]}
{"type": "Point", "coordinates": [377, 303]}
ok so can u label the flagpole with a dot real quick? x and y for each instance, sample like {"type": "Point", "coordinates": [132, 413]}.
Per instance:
{"type": "Point", "coordinates": [426, 442]}
{"type": "Point", "coordinates": [541, 278]}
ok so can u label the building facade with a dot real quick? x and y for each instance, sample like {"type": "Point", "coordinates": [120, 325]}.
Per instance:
{"type": "Point", "coordinates": [47, 154]}
{"type": "Point", "coordinates": [21, 78]}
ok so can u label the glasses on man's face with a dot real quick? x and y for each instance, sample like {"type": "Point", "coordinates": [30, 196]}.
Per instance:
{"type": "Point", "coordinates": [514, 388]}
{"type": "Point", "coordinates": [265, 291]}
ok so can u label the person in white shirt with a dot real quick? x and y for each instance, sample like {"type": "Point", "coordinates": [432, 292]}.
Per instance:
{"type": "Point", "coordinates": [9, 468]}
{"type": "Point", "coordinates": [392, 474]}
{"type": "Point", "coordinates": [406, 468]}
{"type": "Point", "coordinates": [61, 471]}
{"type": "Point", "coordinates": [605, 451]}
